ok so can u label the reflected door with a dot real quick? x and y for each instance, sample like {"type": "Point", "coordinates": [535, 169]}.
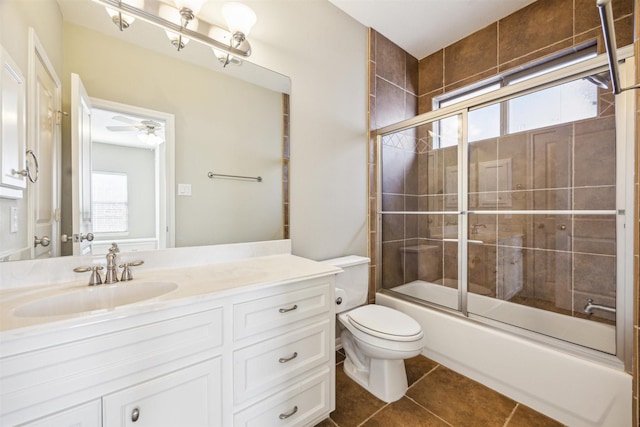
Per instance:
{"type": "Point", "coordinates": [81, 164]}
{"type": "Point", "coordinates": [45, 193]}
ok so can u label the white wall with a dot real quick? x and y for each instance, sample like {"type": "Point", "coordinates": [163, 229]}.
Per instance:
{"type": "Point", "coordinates": [324, 51]}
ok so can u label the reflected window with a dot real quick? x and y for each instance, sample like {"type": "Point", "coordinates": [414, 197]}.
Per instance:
{"type": "Point", "coordinates": [110, 202]}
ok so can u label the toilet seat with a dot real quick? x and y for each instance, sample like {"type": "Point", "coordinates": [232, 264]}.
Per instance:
{"type": "Point", "coordinates": [385, 323]}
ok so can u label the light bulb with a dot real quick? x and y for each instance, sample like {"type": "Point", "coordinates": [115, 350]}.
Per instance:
{"type": "Point", "coordinates": [150, 138]}
{"type": "Point", "coordinates": [240, 18]}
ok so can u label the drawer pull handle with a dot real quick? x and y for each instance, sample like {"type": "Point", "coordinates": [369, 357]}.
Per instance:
{"type": "Point", "coordinates": [285, 416]}
{"type": "Point", "coordinates": [286, 310]}
{"type": "Point", "coordinates": [135, 414]}
{"type": "Point", "coordinates": [288, 359]}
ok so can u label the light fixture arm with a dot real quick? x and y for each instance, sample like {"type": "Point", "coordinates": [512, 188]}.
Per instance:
{"type": "Point", "coordinates": [121, 23]}
{"type": "Point", "coordinates": [179, 29]}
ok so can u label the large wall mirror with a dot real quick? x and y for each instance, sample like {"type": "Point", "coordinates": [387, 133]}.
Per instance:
{"type": "Point", "coordinates": [207, 118]}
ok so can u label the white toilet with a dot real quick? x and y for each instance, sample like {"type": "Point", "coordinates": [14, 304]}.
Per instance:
{"type": "Point", "coordinates": [376, 339]}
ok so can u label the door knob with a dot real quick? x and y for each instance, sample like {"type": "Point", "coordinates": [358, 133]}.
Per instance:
{"type": "Point", "coordinates": [76, 238]}
{"type": "Point", "coordinates": [44, 241]}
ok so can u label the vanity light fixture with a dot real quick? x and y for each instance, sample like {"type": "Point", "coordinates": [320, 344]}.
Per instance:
{"type": "Point", "coordinates": [240, 19]}
{"type": "Point", "coordinates": [184, 17]}
{"type": "Point", "coordinates": [224, 58]}
{"type": "Point", "coordinates": [122, 20]}
{"type": "Point", "coordinates": [180, 24]}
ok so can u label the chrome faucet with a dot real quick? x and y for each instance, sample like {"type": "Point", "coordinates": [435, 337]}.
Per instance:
{"type": "Point", "coordinates": [590, 306]}
{"type": "Point", "coordinates": [112, 264]}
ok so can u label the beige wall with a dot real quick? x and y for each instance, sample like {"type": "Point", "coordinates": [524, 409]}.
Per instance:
{"type": "Point", "coordinates": [222, 124]}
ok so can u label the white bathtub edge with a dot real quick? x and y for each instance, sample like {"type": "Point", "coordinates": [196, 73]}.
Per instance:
{"type": "Point", "coordinates": [572, 390]}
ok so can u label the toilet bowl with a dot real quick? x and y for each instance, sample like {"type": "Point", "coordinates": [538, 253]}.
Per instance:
{"type": "Point", "coordinates": [376, 339]}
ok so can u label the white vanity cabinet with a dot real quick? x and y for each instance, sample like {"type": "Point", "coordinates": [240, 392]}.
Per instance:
{"type": "Point", "coordinates": [162, 361]}
{"type": "Point", "coordinates": [283, 358]}
{"type": "Point", "coordinates": [189, 397]}
{"type": "Point", "coordinates": [255, 355]}
{"type": "Point", "coordinates": [86, 415]}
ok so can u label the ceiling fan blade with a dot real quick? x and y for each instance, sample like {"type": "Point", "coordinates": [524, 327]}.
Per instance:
{"type": "Point", "coordinates": [126, 120]}
{"type": "Point", "coordinates": [122, 128]}
{"type": "Point", "coordinates": [151, 123]}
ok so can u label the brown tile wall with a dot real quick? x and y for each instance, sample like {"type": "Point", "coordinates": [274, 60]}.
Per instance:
{"type": "Point", "coordinates": [286, 164]}
{"type": "Point", "coordinates": [636, 250]}
{"type": "Point", "coordinates": [501, 46]}
{"type": "Point", "coordinates": [393, 86]}
{"type": "Point", "coordinates": [516, 40]}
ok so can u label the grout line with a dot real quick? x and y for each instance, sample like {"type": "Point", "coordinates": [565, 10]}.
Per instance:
{"type": "Point", "coordinates": [333, 422]}
{"type": "Point", "coordinates": [511, 415]}
{"type": "Point", "coordinates": [422, 377]}
{"type": "Point", "coordinates": [431, 412]}
{"type": "Point", "coordinates": [374, 414]}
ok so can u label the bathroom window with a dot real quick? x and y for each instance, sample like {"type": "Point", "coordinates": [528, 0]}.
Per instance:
{"type": "Point", "coordinates": [110, 202]}
{"type": "Point", "coordinates": [576, 100]}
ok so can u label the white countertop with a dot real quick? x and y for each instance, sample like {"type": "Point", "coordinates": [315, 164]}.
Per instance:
{"type": "Point", "coordinates": [194, 283]}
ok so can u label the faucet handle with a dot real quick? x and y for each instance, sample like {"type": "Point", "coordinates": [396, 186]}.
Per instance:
{"type": "Point", "coordinates": [126, 270]}
{"type": "Point", "coordinates": [95, 278]}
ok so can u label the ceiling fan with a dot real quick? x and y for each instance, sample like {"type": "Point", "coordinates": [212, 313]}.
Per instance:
{"type": "Point", "coordinates": [146, 129]}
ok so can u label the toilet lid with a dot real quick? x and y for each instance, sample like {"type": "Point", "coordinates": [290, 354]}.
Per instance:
{"type": "Point", "coordinates": [385, 322]}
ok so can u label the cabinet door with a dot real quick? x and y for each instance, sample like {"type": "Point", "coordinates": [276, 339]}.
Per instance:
{"type": "Point", "coordinates": [87, 415]}
{"type": "Point", "coordinates": [188, 397]}
{"type": "Point", "coordinates": [12, 127]}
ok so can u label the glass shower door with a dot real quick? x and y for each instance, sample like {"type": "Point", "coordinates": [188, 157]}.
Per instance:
{"type": "Point", "coordinates": [420, 211]}
{"type": "Point", "coordinates": [542, 218]}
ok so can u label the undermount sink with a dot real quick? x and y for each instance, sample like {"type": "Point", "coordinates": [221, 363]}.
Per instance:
{"type": "Point", "coordinates": [94, 298]}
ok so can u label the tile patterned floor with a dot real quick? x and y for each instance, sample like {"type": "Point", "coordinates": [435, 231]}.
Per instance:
{"type": "Point", "coordinates": [437, 396]}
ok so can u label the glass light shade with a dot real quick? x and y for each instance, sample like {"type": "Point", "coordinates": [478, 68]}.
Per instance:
{"type": "Point", "coordinates": [239, 17]}
{"type": "Point", "coordinates": [172, 14]}
{"type": "Point", "coordinates": [194, 5]}
{"type": "Point", "coordinates": [127, 19]}
{"type": "Point", "coordinates": [222, 56]}
{"type": "Point", "coordinates": [150, 138]}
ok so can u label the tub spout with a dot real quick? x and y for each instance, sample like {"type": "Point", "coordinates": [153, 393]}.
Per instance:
{"type": "Point", "coordinates": [590, 306]}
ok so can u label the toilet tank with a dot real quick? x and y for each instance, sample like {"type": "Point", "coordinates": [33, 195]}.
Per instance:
{"type": "Point", "coordinates": [352, 284]}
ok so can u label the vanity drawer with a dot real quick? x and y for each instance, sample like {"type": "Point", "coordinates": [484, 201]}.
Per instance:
{"type": "Point", "coordinates": [260, 315]}
{"type": "Point", "coordinates": [308, 401]}
{"type": "Point", "coordinates": [265, 365]}
{"type": "Point", "coordinates": [45, 381]}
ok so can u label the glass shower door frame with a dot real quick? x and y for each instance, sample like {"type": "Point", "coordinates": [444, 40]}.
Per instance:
{"type": "Point", "coordinates": [625, 131]}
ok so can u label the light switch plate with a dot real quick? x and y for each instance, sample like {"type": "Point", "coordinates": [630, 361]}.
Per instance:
{"type": "Point", "coordinates": [184, 189]}
{"type": "Point", "coordinates": [14, 219]}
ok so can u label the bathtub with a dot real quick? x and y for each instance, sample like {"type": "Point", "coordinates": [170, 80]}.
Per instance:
{"type": "Point", "coordinates": [575, 390]}
{"type": "Point", "coordinates": [587, 333]}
